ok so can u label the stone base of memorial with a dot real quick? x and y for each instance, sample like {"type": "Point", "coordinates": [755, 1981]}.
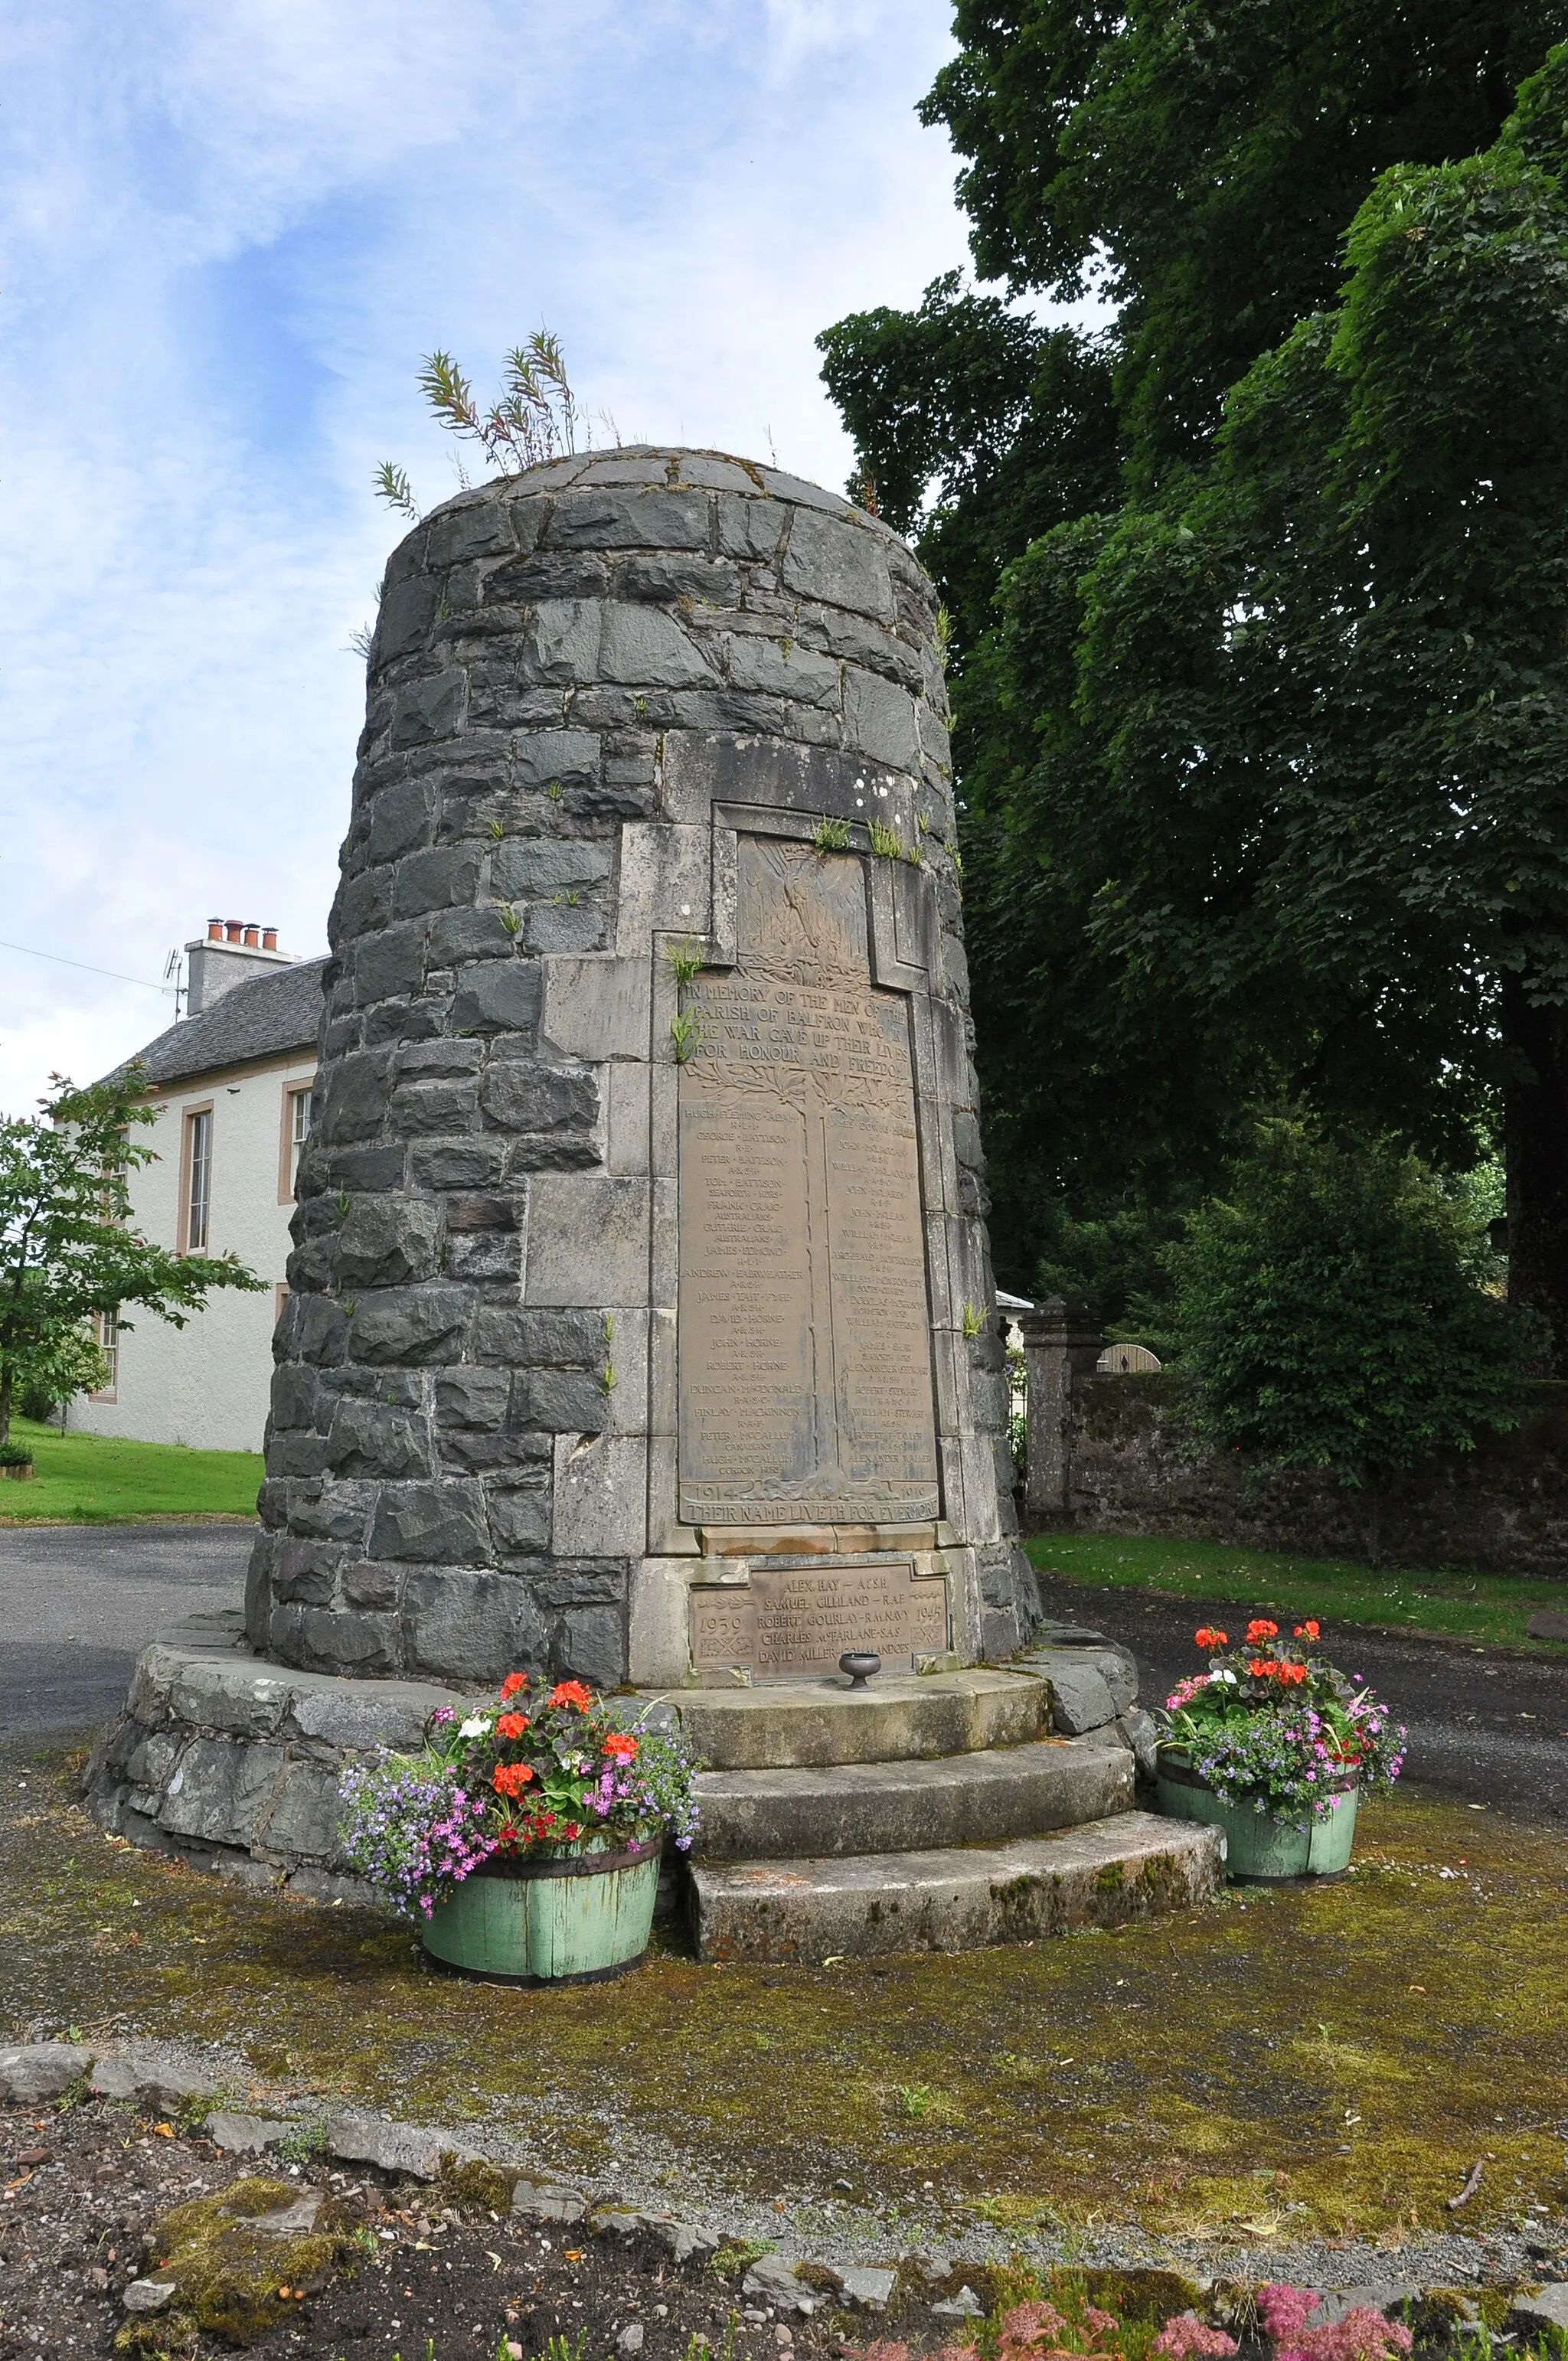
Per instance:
{"type": "Point", "coordinates": [1261, 1848]}
{"type": "Point", "coordinates": [578, 1918]}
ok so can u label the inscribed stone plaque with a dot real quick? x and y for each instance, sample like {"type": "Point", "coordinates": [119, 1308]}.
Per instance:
{"type": "Point", "coordinates": [804, 1346]}
{"type": "Point", "coordinates": [802, 1619]}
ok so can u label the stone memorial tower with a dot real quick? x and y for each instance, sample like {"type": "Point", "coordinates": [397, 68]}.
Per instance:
{"type": "Point", "coordinates": [642, 1321]}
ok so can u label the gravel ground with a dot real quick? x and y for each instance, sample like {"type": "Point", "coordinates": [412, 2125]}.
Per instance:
{"type": "Point", "coordinates": [451, 2279]}
{"type": "Point", "coordinates": [84, 2186]}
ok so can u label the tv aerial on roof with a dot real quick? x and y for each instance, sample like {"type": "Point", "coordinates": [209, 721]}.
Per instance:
{"type": "Point", "coordinates": [174, 972]}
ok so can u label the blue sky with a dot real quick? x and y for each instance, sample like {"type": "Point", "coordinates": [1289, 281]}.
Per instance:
{"type": "Point", "coordinates": [227, 236]}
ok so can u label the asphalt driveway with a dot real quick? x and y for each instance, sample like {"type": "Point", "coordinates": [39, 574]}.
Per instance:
{"type": "Point", "coordinates": [79, 1603]}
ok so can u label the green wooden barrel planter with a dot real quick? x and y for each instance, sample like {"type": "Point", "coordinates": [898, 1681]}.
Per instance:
{"type": "Point", "coordinates": [569, 1918]}
{"type": "Point", "coordinates": [1260, 1848]}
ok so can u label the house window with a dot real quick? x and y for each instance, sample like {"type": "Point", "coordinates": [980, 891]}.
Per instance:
{"type": "Point", "coordinates": [106, 1333]}
{"type": "Point", "coordinates": [299, 1105]}
{"type": "Point", "coordinates": [198, 1179]}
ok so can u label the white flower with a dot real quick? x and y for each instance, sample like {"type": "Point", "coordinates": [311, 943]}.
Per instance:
{"type": "Point", "coordinates": [475, 1727]}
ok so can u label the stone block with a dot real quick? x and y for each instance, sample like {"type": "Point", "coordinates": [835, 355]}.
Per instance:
{"type": "Point", "coordinates": [841, 563]}
{"type": "Point", "coordinates": [566, 758]}
{"type": "Point", "coordinates": [443, 878]}
{"type": "Point", "coordinates": [525, 865]}
{"type": "Point", "coordinates": [31, 2076]}
{"type": "Point", "coordinates": [603, 519]}
{"type": "Point", "coordinates": [404, 619]}
{"type": "Point", "coordinates": [520, 1517]}
{"type": "Point", "coordinates": [369, 1440]}
{"type": "Point", "coordinates": [591, 1642]}
{"type": "Point", "coordinates": [365, 1584]}
{"type": "Point", "coordinates": [475, 524]}
{"type": "Point", "coordinates": [773, 670]}
{"type": "Point", "coordinates": [413, 2148]}
{"type": "Point", "coordinates": [387, 1242]}
{"type": "Point", "coordinates": [354, 1099]}
{"type": "Point", "coordinates": [456, 1163]}
{"type": "Point", "coordinates": [218, 1789]}
{"type": "Point", "coordinates": [400, 819]}
{"type": "Point", "coordinates": [472, 1398]}
{"type": "Point", "coordinates": [1080, 1700]}
{"type": "Point", "coordinates": [456, 937]}
{"type": "Point", "coordinates": [752, 529]}
{"type": "Point", "coordinates": [563, 1402]}
{"type": "Point", "coordinates": [439, 1106]}
{"type": "Point", "coordinates": [596, 1008]}
{"type": "Point", "coordinates": [500, 996]}
{"type": "Point", "coordinates": [389, 964]}
{"type": "Point", "coordinates": [545, 2200]}
{"type": "Point", "coordinates": [541, 1099]}
{"type": "Point", "coordinates": [601, 1497]}
{"type": "Point", "coordinates": [710, 582]}
{"type": "Point", "coordinates": [428, 710]}
{"type": "Point", "coordinates": [539, 1339]}
{"type": "Point", "coordinates": [440, 1523]}
{"type": "Point", "coordinates": [234, 2135]}
{"type": "Point", "coordinates": [411, 1323]}
{"type": "Point", "coordinates": [561, 643]}
{"type": "Point", "coordinates": [587, 1240]}
{"type": "Point", "coordinates": [470, 1626]}
{"type": "Point", "coordinates": [645, 648]}
{"type": "Point", "coordinates": [361, 1644]}
{"type": "Point", "coordinates": [879, 719]}
{"type": "Point", "coordinates": [303, 1823]}
{"type": "Point", "coordinates": [565, 924]}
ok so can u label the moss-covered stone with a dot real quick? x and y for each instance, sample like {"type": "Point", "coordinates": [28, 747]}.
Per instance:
{"type": "Point", "coordinates": [235, 2275]}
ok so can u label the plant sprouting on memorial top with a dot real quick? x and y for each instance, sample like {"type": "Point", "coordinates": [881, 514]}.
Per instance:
{"type": "Point", "coordinates": [67, 1247]}
{"type": "Point", "coordinates": [535, 417]}
{"type": "Point", "coordinates": [542, 1772]}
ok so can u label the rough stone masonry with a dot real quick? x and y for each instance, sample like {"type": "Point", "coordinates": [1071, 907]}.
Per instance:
{"type": "Point", "coordinates": [640, 1248]}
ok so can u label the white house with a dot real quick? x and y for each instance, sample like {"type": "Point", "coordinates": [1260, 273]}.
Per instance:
{"type": "Point", "coordinates": [232, 1086]}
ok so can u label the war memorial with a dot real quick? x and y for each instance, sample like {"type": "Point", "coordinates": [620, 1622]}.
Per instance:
{"type": "Point", "coordinates": [641, 1324]}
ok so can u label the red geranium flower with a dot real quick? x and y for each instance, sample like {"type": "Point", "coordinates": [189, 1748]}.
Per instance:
{"type": "Point", "coordinates": [1262, 1666]}
{"type": "Point", "coordinates": [512, 1683]}
{"type": "Point", "coordinates": [1260, 1629]}
{"type": "Point", "coordinates": [621, 1746]}
{"type": "Point", "coordinates": [1209, 1638]}
{"type": "Point", "coordinates": [1306, 1631]}
{"type": "Point", "coordinates": [510, 1778]}
{"type": "Point", "coordinates": [511, 1725]}
{"type": "Point", "coordinates": [571, 1693]}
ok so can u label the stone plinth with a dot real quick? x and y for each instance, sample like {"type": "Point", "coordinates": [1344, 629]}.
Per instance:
{"type": "Point", "coordinates": [639, 1253]}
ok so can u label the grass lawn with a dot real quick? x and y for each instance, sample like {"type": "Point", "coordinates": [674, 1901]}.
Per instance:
{"type": "Point", "coordinates": [93, 1479]}
{"type": "Point", "coordinates": [1312, 2061]}
{"type": "Point", "coordinates": [1486, 1608]}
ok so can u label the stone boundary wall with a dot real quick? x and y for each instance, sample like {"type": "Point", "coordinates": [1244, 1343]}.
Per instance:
{"type": "Point", "coordinates": [1500, 1509]}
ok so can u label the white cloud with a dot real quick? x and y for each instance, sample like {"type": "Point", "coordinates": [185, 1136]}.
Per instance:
{"type": "Point", "coordinates": [226, 237]}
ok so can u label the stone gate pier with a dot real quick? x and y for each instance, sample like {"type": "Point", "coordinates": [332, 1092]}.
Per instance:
{"type": "Point", "coordinates": [641, 1323]}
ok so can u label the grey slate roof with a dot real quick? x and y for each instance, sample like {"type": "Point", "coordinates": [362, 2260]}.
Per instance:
{"type": "Point", "coordinates": [261, 1018]}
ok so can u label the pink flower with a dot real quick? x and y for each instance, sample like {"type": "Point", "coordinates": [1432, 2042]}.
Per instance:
{"type": "Point", "coordinates": [1186, 2336]}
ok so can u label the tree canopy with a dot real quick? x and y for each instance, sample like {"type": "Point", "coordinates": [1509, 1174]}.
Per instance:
{"type": "Point", "coordinates": [1257, 691]}
{"type": "Point", "coordinates": [67, 1247]}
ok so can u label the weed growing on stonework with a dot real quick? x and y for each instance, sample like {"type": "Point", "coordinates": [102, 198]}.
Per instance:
{"type": "Point", "coordinates": [510, 920]}
{"type": "Point", "coordinates": [498, 830]}
{"type": "Point", "coordinates": [886, 843]}
{"type": "Point", "coordinates": [684, 961]}
{"type": "Point", "coordinates": [974, 1319]}
{"type": "Point", "coordinates": [831, 835]}
{"type": "Point", "coordinates": [686, 1032]}
{"type": "Point", "coordinates": [535, 418]}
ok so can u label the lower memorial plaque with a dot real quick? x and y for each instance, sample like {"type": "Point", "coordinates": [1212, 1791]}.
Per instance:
{"type": "Point", "coordinates": [793, 1620]}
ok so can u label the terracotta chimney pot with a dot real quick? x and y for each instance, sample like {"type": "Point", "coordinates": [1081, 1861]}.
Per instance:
{"type": "Point", "coordinates": [215, 931]}
{"type": "Point", "coordinates": [268, 939]}
{"type": "Point", "coordinates": [252, 936]}
{"type": "Point", "coordinates": [232, 930]}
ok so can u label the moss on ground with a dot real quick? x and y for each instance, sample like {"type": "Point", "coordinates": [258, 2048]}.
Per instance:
{"type": "Point", "coordinates": [1327, 2061]}
{"type": "Point", "coordinates": [236, 2277]}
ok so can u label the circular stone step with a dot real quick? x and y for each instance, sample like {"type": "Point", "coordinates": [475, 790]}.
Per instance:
{"type": "Point", "coordinates": [792, 1725]}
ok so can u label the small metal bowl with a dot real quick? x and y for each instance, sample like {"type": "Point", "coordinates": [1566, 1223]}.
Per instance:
{"type": "Point", "coordinates": [859, 1665]}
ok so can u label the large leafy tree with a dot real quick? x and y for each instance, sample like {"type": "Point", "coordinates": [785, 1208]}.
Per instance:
{"type": "Point", "coordinates": [1200, 167]}
{"type": "Point", "coordinates": [67, 1247]}
{"type": "Point", "coordinates": [1325, 688]}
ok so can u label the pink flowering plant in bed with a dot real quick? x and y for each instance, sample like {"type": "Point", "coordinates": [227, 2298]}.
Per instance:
{"type": "Point", "coordinates": [539, 1772]}
{"type": "Point", "coordinates": [1070, 2328]}
{"type": "Point", "coordinates": [1274, 1724]}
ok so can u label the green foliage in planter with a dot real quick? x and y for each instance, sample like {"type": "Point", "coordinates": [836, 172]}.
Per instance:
{"type": "Point", "coordinates": [16, 1454]}
{"type": "Point", "coordinates": [1331, 1312]}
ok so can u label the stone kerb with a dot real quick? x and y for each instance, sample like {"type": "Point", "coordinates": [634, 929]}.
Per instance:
{"type": "Point", "coordinates": [573, 670]}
